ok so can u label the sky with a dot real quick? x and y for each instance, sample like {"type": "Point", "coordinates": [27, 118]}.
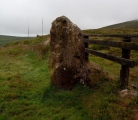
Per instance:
{"type": "Point", "coordinates": [17, 15]}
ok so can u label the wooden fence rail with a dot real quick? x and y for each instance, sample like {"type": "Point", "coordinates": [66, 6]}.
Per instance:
{"type": "Point", "coordinates": [119, 60]}
{"type": "Point", "coordinates": [126, 45]}
{"type": "Point", "coordinates": [111, 35]}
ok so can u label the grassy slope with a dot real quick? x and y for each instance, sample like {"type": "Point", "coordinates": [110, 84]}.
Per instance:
{"type": "Point", "coordinates": [26, 94]}
{"type": "Point", "coordinates": [6, 39]}
{"type": "Point", "coordinates": [129, 24]}
{"type": "Point", "coordinates": [130, 27]}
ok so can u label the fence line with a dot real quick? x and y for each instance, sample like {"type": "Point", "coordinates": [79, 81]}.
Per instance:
{"type": "Point", "coordinates": [119, 60]}
{"type": "Point", "coordinates": [126, 45]}
{"type": "Point", "coordinates": [112, 35]}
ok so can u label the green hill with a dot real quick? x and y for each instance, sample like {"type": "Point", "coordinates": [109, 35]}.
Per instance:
{"type": "Point", "coordinates": [6, 39]}
{"type": "Point", "coordinates": [129, 27]}
{"type": "Point", "coordinates": [129, 24]}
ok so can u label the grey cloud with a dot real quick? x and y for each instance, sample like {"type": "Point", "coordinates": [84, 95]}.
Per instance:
{"type": "Point", "coordinates": [15, 15]}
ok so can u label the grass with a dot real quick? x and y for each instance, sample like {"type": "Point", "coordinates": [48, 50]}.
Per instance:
{"type": "Point", "coordinates": [26, 92]}
{"type": "Point", "coordinates": [114, 70]}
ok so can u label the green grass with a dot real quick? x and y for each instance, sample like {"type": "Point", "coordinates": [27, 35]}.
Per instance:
{"type": "Point", "coordinates": [114, 70]}
{"type": "Point", "coordinates": [26, 92]}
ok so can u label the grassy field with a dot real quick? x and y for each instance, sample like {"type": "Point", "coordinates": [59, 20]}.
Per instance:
{"type": "Point", "coordinates": [26, 93]}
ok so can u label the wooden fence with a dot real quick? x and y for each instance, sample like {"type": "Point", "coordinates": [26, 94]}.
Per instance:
{"type": "Point", "coordinates": [126, 45]}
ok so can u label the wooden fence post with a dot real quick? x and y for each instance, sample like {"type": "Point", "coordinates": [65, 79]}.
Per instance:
{"type": "Point", "coordinates": [86, 46]}
{"type": "Point", "coordinates": [124, 73]}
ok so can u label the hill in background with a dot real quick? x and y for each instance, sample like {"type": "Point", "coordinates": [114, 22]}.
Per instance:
{"type": "Point", "coordinates": [6, 39]}
{"type": "Point", "coordinates": [129, 24]}
{"type": "Point", "coordinates": [129, 27]}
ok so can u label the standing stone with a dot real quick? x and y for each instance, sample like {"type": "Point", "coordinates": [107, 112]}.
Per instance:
{"type": "Point", "coordinates": [67, 54]}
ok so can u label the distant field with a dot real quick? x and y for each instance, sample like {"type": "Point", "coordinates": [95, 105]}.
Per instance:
{"type": "Point", "coordinates": [6, 39]}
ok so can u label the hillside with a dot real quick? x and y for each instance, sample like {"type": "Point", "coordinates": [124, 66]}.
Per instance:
{"type": "Point", "coordinates": [129, 27]}
{"type": "Point", "coordinates": [6, 39]}
{"type": "Point", "coordinates": [129, 24]}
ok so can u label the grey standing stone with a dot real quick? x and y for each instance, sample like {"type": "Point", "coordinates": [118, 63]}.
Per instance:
{"type": "Point", "coordinates": [67, 54]}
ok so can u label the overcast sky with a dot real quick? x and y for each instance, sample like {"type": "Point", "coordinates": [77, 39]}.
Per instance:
{"type": "Point", "coordinates": [15, 15]}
